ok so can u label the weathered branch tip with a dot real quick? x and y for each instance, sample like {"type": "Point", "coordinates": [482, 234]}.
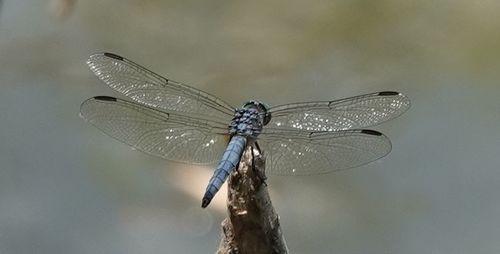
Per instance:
{"type": "Point", "coordinates": [252, 225]}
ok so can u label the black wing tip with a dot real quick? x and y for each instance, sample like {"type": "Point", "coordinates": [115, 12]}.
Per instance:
{"type": "Point", "coordinates": [388, 93]}
{"type": "Point", "coordinates": [114, 56]}
{"type": "Point", "coordinates": [105, 98]}
{"type": "Point", "coordinates": [371, 132]}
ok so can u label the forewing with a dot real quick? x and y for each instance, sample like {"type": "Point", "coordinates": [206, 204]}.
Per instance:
{"type": "Point", "coordinates": [153, 90]}
{"type": "Point", "coordinates": [171, 136]}
{"type": "Point", "coordinates": [345, 114]}
{"type": "Point", "coordinates": [295, 152]}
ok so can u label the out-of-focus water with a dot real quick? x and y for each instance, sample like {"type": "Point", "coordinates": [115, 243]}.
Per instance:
{"type": "Point", "coordinates": [67, 188]}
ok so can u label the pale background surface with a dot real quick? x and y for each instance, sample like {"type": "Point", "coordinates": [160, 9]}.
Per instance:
{"type": "Point", "coordinates": [67, 188]}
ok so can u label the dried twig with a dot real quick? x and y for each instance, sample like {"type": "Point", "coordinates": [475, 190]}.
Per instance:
{"type": "Point", "coordinates": [252, 225]}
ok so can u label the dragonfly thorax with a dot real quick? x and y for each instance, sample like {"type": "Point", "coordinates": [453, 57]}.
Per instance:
{"type": "Point", "coordinates": [249, 120]}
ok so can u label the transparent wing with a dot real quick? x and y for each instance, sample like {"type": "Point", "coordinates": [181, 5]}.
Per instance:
{"type": "Point", "coordinates": [345, 114]}
{"type": "Point", "coordinates": [153, 90]}
{"type": "Point", "coordinates": [171, 136]}
{"type": "Point", "coordinates": [296, 152]}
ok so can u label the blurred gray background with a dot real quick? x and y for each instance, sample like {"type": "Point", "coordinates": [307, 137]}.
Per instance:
{"type": "Point", "coordinates": [65, 187]}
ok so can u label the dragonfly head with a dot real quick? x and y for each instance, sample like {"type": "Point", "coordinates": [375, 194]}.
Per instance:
{"type": "Point", "coordinates": [261, 107]}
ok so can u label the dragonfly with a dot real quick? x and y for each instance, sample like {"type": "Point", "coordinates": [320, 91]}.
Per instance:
{"type": "Point", "coordinates": [177, 122]}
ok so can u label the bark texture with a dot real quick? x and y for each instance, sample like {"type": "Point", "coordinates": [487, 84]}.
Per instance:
{"type": "Point", "coordinates": [252, 225]}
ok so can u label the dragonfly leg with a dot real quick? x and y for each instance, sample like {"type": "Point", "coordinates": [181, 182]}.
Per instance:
{"type": "Point", "coordinates": [258, 148]}
{"type": "Point", "coordinates": [261, 175]}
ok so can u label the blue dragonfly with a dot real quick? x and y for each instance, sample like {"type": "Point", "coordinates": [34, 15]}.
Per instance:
{"type": "Point", "coordinates": [177, 122]}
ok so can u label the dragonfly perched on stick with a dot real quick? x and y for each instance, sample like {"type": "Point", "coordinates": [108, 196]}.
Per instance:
{"type": "Point", "coordinates": [177, 122]}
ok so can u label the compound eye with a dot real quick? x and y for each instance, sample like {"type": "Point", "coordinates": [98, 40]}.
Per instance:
{"type": "Point", "coordinates": [267, 118]}
{"type": "Point", "coordinates": [249, 103]}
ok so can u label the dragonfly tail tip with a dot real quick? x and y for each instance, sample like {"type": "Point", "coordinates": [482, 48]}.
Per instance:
{"type": "Point", "coordinates": [205, 202]}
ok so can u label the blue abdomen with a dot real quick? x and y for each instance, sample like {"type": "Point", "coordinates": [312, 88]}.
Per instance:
{"type": "Point", "coordinates": [229, 161]}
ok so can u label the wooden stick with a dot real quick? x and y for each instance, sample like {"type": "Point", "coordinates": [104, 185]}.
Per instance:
{"type": "Point", "coordinates": [252, 225]}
